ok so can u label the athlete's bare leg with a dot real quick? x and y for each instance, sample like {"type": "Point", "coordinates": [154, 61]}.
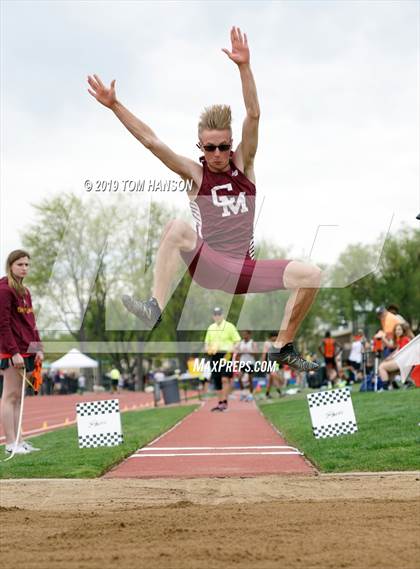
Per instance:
{"type": "Point", "coordinates": [178, 236]}
{"type": "Point", "coordinates": [304, 281]}
{"type": "Point", "coordinates": [11, 402]}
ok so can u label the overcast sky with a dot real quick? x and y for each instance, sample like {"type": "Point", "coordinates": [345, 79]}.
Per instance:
{"type": "Point", "coordinates": [338, 89]}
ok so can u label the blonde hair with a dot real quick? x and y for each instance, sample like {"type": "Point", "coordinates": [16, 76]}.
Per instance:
{"type": "Point", "coordinates": [216, 117]}
{"type": "Point", "coordinates": [13, 282]}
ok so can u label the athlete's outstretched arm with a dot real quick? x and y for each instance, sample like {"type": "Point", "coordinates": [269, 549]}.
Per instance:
{"type": "Point", "coordinates": [181, 165]}
{"type": "Point", "coordinates": [240, 55]}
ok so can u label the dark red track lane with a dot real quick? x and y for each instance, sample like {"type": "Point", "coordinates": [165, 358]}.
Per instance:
{"type": "Point", "coordinates": [201, 446]}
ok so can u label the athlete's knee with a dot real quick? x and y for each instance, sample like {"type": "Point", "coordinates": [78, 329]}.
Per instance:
{"type": "Point", "coordinates": [171, 228]}
{"type": "Point", "coordinates": [313, 276]}
{"type": "Point", "coordinates": [175, 230]}
{"type": "Point", "coordinates": [302, 275]}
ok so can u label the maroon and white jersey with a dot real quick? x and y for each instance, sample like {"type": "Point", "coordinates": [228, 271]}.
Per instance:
{"type": "Point", "coordinates": [224, 211]}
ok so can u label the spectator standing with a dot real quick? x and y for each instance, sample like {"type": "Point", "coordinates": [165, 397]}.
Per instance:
{"type": "Point", "coordinates": [245, 351]}
{"type": "Point", "coordinates": [219, 343]}
{"type": "Point", "coordinates": [81, 384]}
{"type": "Point", "coordinates": [356, 352]}
{"type": "Point", "coordinates": [115, 376]}
{"type": "Point", "coordinates": [330, 348]}
{"type": "Point", "coordinates": [276, 377]}
{"type": "Point", "coordinates": [20, 346]}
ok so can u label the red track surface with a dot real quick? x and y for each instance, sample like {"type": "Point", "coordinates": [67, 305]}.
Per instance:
{"type": "Point", "coordinates": [201, 446]}
{"type": "Point", "coordinates": [42, 414]}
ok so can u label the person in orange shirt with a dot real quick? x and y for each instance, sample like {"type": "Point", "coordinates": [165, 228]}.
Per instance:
{"type": "Point", "coordinates": [330, 348]}
{"type": "Point", "coordinates": [394, 309]}
{"type": "Point", "coordinates": [388, 321]}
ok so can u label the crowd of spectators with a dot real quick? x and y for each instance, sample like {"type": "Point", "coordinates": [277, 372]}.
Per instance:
{"type": "Point", "coordinates": [341, 364]}
{"type": "Point", "coordinates": [369, 357]}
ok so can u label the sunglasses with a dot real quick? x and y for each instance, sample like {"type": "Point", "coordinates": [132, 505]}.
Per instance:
{"type": "Point", "coordinates": [212, 147]}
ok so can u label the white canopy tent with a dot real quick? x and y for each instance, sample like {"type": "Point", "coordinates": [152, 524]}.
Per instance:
{"type": "Point", "coordinates": [75, 360]}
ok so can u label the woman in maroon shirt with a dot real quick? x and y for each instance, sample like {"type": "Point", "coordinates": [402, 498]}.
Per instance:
{"type": "Point", "coordinates": [20, 344]}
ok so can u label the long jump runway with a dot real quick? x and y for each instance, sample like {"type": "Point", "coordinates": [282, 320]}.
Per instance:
{"type": "Point", "coordinates": [238, 442]}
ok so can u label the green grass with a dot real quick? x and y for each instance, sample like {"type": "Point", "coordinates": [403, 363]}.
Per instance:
{"type": "Point", "coordinates": [61, 457]}
{"type": "Point", "coordinates": [387, 439]}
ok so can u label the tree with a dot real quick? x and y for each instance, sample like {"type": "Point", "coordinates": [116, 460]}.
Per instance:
{"type": "Point", "coordinates": [86, 255]}
{"type": "Point", "coordinates": [398, 277]}
{"type": "Point", "coordinates": [395, 280]}
{"type": "Point", "coordinates": [96, 253]}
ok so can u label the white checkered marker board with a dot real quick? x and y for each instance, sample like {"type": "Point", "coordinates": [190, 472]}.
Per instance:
{"type": "Point", "coordinates": [332, 413]}
{"type": "Point", "coordinates": [99, 424]}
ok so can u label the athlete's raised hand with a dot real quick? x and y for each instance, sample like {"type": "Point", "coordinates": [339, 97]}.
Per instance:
{"type": "Point", "coordinates": [105, 95]}
{"type": "Point", "coordinates": [240, 50]}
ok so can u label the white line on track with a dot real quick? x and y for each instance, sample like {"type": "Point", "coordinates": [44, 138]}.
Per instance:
{"type": "Point", "coordinates": [155, 455]}
{"type": "Point", "coordinates": [157, 449]}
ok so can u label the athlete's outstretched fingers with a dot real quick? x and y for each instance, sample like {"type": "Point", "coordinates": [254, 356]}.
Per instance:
{"type": "Point", "coordinates": [92, 93]}
{"type": "Point", "coordinates": [240, 35]}
{"type": "Point", "coordinates": [93, 83]}
{"type": "Point", "coordinates": [99, 81]}
{"type": "Point", "coordinates": [246, 40]}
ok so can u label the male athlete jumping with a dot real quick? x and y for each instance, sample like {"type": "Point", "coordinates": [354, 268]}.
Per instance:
{"type": "Point", "coordinates": [220, 252]}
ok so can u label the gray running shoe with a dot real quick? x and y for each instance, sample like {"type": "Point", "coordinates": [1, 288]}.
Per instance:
{"type": "Point", "coordinates": [288, 355]}
{"type": "Point", "coordinates": [147, 311]}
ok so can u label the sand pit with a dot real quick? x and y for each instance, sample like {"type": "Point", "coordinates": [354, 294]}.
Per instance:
{"type": "Point", "coordinates": [357, 521]}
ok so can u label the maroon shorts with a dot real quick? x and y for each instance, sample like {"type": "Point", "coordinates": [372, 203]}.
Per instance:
{"type": "Point", "coordinates": [214, 270]}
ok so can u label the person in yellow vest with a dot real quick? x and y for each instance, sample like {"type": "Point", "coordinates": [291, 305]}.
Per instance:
{"type": "Point", "coordinates": [219, 343]}
{"type": "Point", "coordinates": [115, 376]}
